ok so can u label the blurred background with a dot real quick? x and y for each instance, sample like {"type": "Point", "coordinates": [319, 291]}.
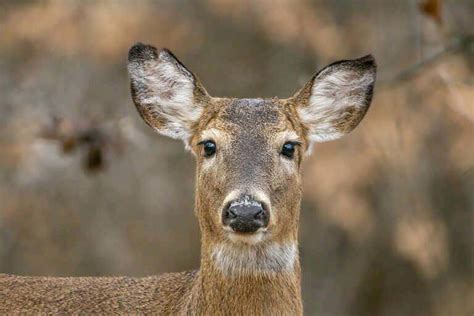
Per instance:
{"type": "Point", "coordinates": [387, 218]}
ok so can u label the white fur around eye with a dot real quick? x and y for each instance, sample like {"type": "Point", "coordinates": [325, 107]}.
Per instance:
{"type": "Point", "coordinates": [281, 139]}
{"type": "Point", "coordinates": [219, 138]}
{"type": "Point", "coordinates": [209, 162]}
{"type": "Point", "coordinates": [211, 134]}
{"type": "Point", "coordinates": [287, 136]}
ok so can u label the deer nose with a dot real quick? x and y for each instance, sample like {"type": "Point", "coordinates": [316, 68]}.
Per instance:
{"type": "Point", "coordinates": [245, 215]}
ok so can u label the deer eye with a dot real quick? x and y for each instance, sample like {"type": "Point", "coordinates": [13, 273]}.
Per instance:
{"type": "Point", "coordinates": [208, 147]}
{"type": "Point", "coordinates": [288, 149]}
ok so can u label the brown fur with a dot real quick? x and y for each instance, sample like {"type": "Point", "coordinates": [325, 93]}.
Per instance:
{"type": "Point", "coordinates": [259, 278]}
{"type": "Point", "coordinates": [163, 294]}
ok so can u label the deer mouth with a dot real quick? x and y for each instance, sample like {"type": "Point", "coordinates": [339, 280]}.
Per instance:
{"type": "Point", "coordinates": [251, 238]}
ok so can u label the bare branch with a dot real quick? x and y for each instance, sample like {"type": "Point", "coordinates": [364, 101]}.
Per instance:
{"type": "Point", "coordinates": [460, 43]}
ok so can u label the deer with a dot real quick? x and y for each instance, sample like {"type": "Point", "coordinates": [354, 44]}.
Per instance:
{"type": "Point", "coordinates": [249, 154]}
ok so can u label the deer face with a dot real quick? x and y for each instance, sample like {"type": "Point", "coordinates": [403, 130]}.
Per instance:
{"type": "Point", "coordinates": [248, 151]}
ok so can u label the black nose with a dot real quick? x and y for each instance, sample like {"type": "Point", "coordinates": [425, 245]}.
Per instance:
{"type": "Point", "coordinates": [245, 215]}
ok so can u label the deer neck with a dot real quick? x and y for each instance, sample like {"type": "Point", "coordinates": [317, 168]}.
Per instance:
{"type": "Point", "coordinates": [262, 279]}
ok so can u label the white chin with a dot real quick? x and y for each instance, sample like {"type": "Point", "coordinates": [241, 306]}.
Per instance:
{"type": "Point", "coordinates": [250, 239]}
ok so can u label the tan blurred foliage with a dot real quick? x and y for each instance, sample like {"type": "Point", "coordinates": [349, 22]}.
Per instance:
{"type": "Point", "coordinates": [387, 216]}
{"type": "Point", "coordinates": [102, 29]}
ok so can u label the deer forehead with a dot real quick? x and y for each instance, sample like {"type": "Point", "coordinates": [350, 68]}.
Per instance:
{"type": "Point", "coordinates": [250, 122]}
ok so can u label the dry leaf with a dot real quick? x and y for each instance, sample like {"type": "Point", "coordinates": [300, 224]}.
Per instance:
{"type": "Point", "coordinates": [432, 8]}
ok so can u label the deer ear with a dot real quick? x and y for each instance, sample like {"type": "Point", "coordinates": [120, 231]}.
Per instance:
{"type": "Point", "coordinates": [336, 99]}
{"type": "Point", "coordinates": [167, 95]}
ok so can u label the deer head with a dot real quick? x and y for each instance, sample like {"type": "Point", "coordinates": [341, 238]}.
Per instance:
{"type": "Point", "coordinates": [248, 151]}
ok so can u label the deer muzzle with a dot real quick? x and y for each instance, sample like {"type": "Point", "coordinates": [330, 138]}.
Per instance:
{"type": "Point", "coordinates": [245, 215]}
